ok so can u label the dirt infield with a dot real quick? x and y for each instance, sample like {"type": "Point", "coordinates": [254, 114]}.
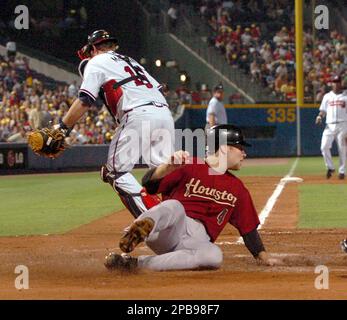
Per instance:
{"type": "Point", "coordinates": [70, 266]}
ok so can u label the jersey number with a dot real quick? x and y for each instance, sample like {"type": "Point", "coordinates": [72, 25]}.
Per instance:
{"type": "Point", "coordinates": [138, 72]}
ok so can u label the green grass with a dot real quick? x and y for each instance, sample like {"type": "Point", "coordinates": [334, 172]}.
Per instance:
{"type": "Point", "coordinates": [323, 206]}
{"type": "Point", "coordinates": [312, 166]}
{"type": "Point", "coordinates": [320, 205]}
{"type": "Point", "coordinates": [41, 204]}
{"type": "Point", "coordinates": [279, 170]}
{"type": "Point", "coordinates": [306, 166]}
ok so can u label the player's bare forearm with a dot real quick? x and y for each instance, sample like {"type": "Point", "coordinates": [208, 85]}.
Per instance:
{"type": "Point", "coordinates": [322, 114]}
{"type": "Point", "coordinates": [178, 159]}
{"type": "Point", "coordinates": [211, 119]}
{"type": "Point", "coordinates": [152, 178]}
{"type": "Point", "coordinates": [320, 117]}
{"type": "Point", "coordinates": [76, 111]}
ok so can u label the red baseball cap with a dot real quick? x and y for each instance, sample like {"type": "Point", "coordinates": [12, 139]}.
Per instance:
{"type": "Point", "coordinates": [336, 78]}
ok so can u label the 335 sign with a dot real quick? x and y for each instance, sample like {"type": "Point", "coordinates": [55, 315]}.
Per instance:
{"type": "Point", "coordinates": [281, 115]}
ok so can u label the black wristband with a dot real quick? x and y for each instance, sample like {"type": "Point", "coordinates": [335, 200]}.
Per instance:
{"type": "Point", "coordinates": [253, 242]}
{"type": "Point", "coordinates": [63, 127]}
{"type": "Point", "coordinates": [151, 186]}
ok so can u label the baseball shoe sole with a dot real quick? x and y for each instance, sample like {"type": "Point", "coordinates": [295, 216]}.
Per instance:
{"type": "Point", "coordinates": [136, 234]}
{"type": "Point", "coordinates": [330, 173]}
{"type": "Point", "coordinates": [344, 245]}
{"type": "Point", "coordinates": [122, 262]}
{"type": "Point", "coordinates": [341, 176]}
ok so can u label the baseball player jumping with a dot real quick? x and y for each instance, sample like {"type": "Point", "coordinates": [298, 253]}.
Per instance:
{"type": "Point", "coordinates": [133, 97]}
{"type": "Point", "coordinates": [334, 107]}
{"type": "Point", "coordinates": [200, 198]}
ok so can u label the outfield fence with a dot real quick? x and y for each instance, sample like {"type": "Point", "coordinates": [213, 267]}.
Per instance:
{"type": "Point", "coordinates": [270, 128]}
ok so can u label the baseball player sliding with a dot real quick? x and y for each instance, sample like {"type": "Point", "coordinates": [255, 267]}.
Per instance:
{"type": "Point", "coordinates": [334, 108]}
{"type": "Point", "coordinates": [145, 125]}
{"type": "Point", "coordinates": [200, 198]}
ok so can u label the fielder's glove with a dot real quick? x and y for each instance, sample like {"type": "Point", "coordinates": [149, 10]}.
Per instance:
{"type": "Point", "coordinates": [48, 142]}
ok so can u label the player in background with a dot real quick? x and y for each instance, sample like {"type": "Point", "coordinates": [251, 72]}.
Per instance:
{"type": "Point", "coordinates": [200, 198]}
{"type": "Point", "coordinates": [216, 113]}
{"type": "Point", "coordinates": [133, 97]}
{"type": "Point", "coordinates": [334, 108]}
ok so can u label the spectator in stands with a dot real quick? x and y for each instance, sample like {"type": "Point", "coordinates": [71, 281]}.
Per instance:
{"type": "Point", "coordinates": [279, 82]}
{"type": "Point", "coordinates": [255, 32]}
{"type": "Point", "coordinates": [183, 94]}
{"type": "Point", "coordinates": [36, 116]}
{"type": "Point", "coordinates": [246, 38]}
{"type": "Point", "coordinates": [205, 94]}
{"type": "Point", "coordinates": [282, 70]}
{"type": "Point", "coordinates": [83, 17]}
{"type": "Point", "coordinates": [172, 14]}
{"type": "Point", "coordinates": [255, 70]}
{"type": "Point", "coordinates": [11, 49]}
{"type": "Point", "coordinates": [288, 91]}
{"type": "Point", "coordinates": [19, 136]}
{"type": "Point", "coordinates": [266, 53]}
{"type": "Point", "coordinates": [9, 81]}
{"type": "Point", "coordinates": [171, 97]}
{"type": "Point", "coordinates": [72, 90]}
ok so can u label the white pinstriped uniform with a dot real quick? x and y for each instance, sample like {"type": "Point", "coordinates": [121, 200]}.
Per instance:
{"type": "Point", "coordinates": [335, 107]}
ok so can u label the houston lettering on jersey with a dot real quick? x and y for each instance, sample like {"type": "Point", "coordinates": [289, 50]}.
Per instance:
{"type": "Point", "coordinates": [195, 189]}
{"type": "Point", "coordinates": [213, 200]}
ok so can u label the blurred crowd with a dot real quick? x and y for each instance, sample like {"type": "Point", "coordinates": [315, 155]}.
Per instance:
{"type": "Point", "coordinates": [27, 104]}
{"type": "Point", "coordinates": [263, 46]}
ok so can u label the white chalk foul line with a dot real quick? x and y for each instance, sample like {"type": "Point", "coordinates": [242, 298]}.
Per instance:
{"type": "Point", "coordinates": [273, 199]}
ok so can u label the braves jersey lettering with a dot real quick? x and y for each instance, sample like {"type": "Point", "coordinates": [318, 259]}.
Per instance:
{"type": "Point", "coordinates": [205, 197]}
{"type": "Point", "coordinates": [334, 105]}
{"type": "Point", "coordinates": [341, 104]}
{"type": "Point", "coordinates": [194, 189]}
{"type": "Point", "coordinates": [111, 66]}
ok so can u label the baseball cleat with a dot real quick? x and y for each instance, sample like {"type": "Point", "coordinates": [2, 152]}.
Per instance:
{"type": "Point", "coordinates": [341, 176]}
{"type": "Point", "coordinates": [344, 245]}
{"type": "Point", "coordinates": [122, 262]}
{"type": "Point", "coordinates": [136, 234]}
{"type": "Point", "coordinates": [330, 173]}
